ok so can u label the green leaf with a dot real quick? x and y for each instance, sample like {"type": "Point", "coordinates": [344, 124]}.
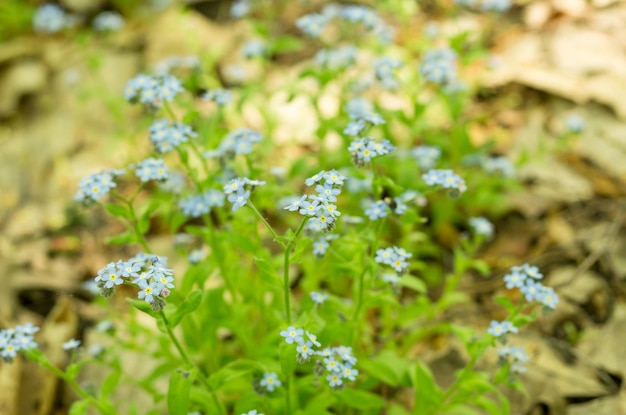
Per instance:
{"type": "Point", "coordinates": [319, 405]}
{"type": "Point", "coordinates": [267, 272]}
{"type": "Point", "coordinates": [143, 307]}
{"type": "Point", "coordinates": [110, 383]}
{"type": "Point", "coordinates": [233, 370]}
{"type": "Point", "coordinates": [118, 211]}
{"type": "Point", "coordinates": [78, 408]}
{"type": "Point", "coordinates": [506, 303]}
{"type": "Point", "coordinates": [179, 391]}
{"type": "Point", "coordinates": [462, 410]}
{"type": "Point", "coordinates": [121, 239]}
{"type": "Point", "coordinates": [287, 44]}
{"type": "Point", "coordinates": [360, 399]}
{"type": "Point", "coordinates": [387, 367]}
{"type": "Point", "coordinates": [428, 396]}
{"type": "Point", "coordinates": [413, 283]}
{"type": "Point", "coordinates": [190, 304]}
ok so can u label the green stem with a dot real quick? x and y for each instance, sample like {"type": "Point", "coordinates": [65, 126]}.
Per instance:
{"type": "Point", "coordinates": [187, 359]}
{"type": "Point", "coordinates": [141, 240]}
{"type": "Point", "coordinates": [262, 219]}
{"type": "Point", "coordinates": [286, 286]}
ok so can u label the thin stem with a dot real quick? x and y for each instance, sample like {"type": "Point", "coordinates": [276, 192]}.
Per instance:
{"type": "Point", "coordinates": [187, 359]}
{"type": "Point", "coordinates": [262, 219]}
{"type": "Point", "coordinates": [141, 240]}
{"type": "Point", "coordinates": [286, 286]}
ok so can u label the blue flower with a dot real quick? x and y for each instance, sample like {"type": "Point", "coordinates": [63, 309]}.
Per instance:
{"type": "Point", "coordinates": [445, 178]}
{"type": "Point", "coordinates": [377, 210]}
{"type": "Point", "coordinates": [547, 297]}
{"type": "Point", "coordinates": [196, 256]}
{"type": "Point", "coordinates": [391, 278]}
{"type": "Point", "coordinates": [166, 136]}
{"type": "Point", "coordinates": [305, 351]}
{"type": "Point", "coordinates": [312, 24]}
{"type": "Point", "coordinates": [339, 58]}
{"type": "Point", "coordinates": [354, 128]}
{"type": "Point", "coordinates": [575, 123]}
{"type": "Point", "coordinates": [152, 90]}
{"type": "Point", "coordinates": [333, 177]}
{"type": "Point", "coordinates": [197, 205]}
{"type": "Point", "coordinates": [254, 48]}
{"type": "Point", "coordinates": [531, 271]}
{"type": "Point", "coordinates": [364, 149]}
{"type": "Point", "coordinates": [151, 169]}
{"type": "Point", "coordinates": [318, 298]}
{"type": "Point", "coordinates": [499, 329]}
{"type": "Point", "coordinates": [108, 21]}
{"type": "Point", "coordinates": [320, 246]}
{"type": "Point", "coordinates": [71, 344]}
{"type": "Point", "coordinates": [50, 18]}
{"type": "Point", "coordinates": [316, 178]}
{"type": "Point", "coordinates": [496, 5]}
{"type": "Point", "coordinates": [313, 338]}
{"type": "Point", "coordinates": [220, 96]}
{"type": "Point", "coordinates": [358, 107]}
{"type": "Point", "coordinates": [93, 187]}
{"type": "Point", "coordinates": [309, 206]}
{"type": "Point", "coordinates": [292, 334]}
{"type": "Point", "coordinates": [252, 412]}
{"type": "Point", "coordinates": [348, 372]}
{"type": "Point", "coordinates": [395, 257]}
{"type": "Point", "coordinates": [481, 226]}
{"type": "Point", "coordinates": [239, 141]}
{"type": "Point", "coordinates": [426, 156]}
{"type": "Point", "coordinates": [238, 9]}
{"type": "Point", "coordinates": [515, 279]}
{"type": "Point", "coordinates": [234, 185]}
{"type": "Point", "coordinates": [439, 66]}
{"type": "Point", "coordinates": [334, 380]}
{"type": "Point", "coordinates": [499, 165]}
{"type": "Point", "coordinates": [239, 199]}
{"type": "Point", "coordinates": [148, 291]}
{"type": "Point", "coordinates": [384, 68]}
{"type": "Point", "coordinates": [270, 381]}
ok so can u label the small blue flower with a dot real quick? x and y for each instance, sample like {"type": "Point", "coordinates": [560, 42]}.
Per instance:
{"type": "Point", "coordinates": [499, 329]}
{"type": "Point", "coordinates": [499, 165]}
{"type": "Point", "coordinates": [197, 205]}
{"type": "Point", "coordinates": [313, 339]}
{"type": "Point", "coordinates": [196, 256]}
{"type": "Point", "coordinates": [71, 344]}
{"type": "Point", "coordinates": [575, 123]}
{"type": "Point", "coordinates": [312, 24]}
{"type": "Point", "coordinates": [531, 290]}
{"type": "Point", "coordinates": [338, 58]}
{"type": "Point", "coordinates": [481, 226]}
{"type": "Point", "coordinates": [305, 351]}
{"type": "Point", "coordinates": [270, 381]}
{"type": "Point", "coordinates": [318, 298]}
{"type": "Point", "coordinates": [166, 136]}
{"type": "Point", "coordinates": [316, 178]}
{"type": "Point", "coordinates": [377, 210]}
{"type": "Point", "coordinates": [358, 107]}
{"type": "Point", "coordinates": [93, 187]}
{"type": "Point", "coordinates": [332, 365]}
{"type": "Point", "coordinates": [348, 372]}
{"type": "Point", "coordinates": [547, 297]}
{"type": "Point", "coordinates": [515, 279]}
{"type": "Point", "coordinates": [50, 18]}
{"type": "Point", "coordinates": [240, 141]}
{"type": "Point", "coordinates": [496, 5]}
{"type": "Point", "coordinates": [426, 156]}
{"type": "Point", "coordinates": [151, 169]}
{"type": "Point", "coordinates": [355, 127]}
{"type": "Point", "coordinates": [334, 380]}
{"type": "Point", "coordinates": [108, 21]}
{"type": "Point", "coordinates": [220, 96]}
{"type": "Point", "coordinates": [445, 178]}
{"type": "Point", "coordinates": [252, 412]}
{"type": "Point", "coordinates": [439, 66]}
{"type": "Point", "coordinates": [239, 199]}
{"type": "Point", "coordinates": [254, 48]}
{"type": "Point", "coordinates": [148, 291]}
{"type": "Point", "coordinates": [293, 334]}
{"type": "Point", "coordinates": [310, 207]}
{"type": "Point", "coordinates": [391, 278]}
{"type": "Point", "coordinates": [320, 246]}
{"type": "Point", "coordinates": [152, 90]}
{"type": "Point", "coordinates": [238, 9]}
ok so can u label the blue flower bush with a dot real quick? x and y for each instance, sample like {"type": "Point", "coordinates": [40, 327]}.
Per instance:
{"type": "Point", "coordinates": [309, 270]}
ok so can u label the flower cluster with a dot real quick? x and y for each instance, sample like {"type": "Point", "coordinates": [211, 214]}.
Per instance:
{"type": "Point", "coordinates": [384, 67]}
{"type": "Point", "coordinates": [426, 156]}
{"type": "Point", "coordinates": [50, 18]}
{"type": "Point", "coordinates": [439, 66]}
{"type": "Point", "coordinates": [394, 257]}
{"type": "Point", "coordinates": [526, 278]}
{"type": "Point", "coordinates": [238, 190]}
{"type": "Point", "coordinates": [15, 339]}
{"type": "Point", "coordinates": [320, 207]}
{"type": "Point", "coordinates": [149, 273]}
{"type": "Point", "coordinates": [94, 186]}
{"type": "Point", "coordinates": [500, 329]}
{"type": "Point", "coordinates": [481, 226]}
{"type": "Point", "coordinates": [167, 135]}
{"type": "Point", "coordinates": [201, 204]}
{"type": "Point", "coordinates": [71, 344]}
{"type": "Point", "coordinates": [339, 363]}
{"type": "Point", "coordinates": [513, 355]}
{"type": "Point", "coordinates": [218, 95]}
{"type": "Point", "coordinates": [151, 169]}
{"type": "Point", "coordinates": [108, 21]}
{"type": "Point", "coordinates": [338, 58]}
{"type": "Point", "coordinates": [236, 142]}
{"type": "Point", "coordinates": [496, 5]}
{"type": "Point", "coordinates": [312, 24]}
{"type": "Point", "coordinates": [152, 90]}
{"type": "Point", "coordinates": [377, 210]}
{"type": "Point", "coordinates": [364, 149]}
{"type": "Point", "coordinates": [445, 178]}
